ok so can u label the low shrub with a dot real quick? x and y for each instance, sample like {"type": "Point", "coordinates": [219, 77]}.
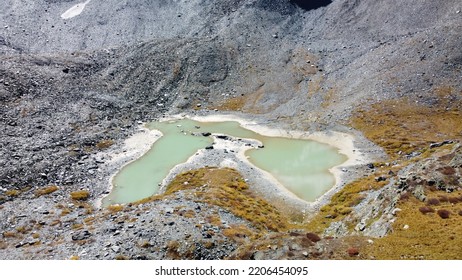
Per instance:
{"type": "Point", "coordinates": [433, 201]}
{"type": "Point", "coordinates": [444, 214]}
{"type": "Point", "coordinates": [425, 209]}
{"type": "Point", "coordinates": [65, 211]}
{"type": "Point", "coordinates": [12, 193]}
{"type": "Point", "coordinates": [77, 226]}
{"type": "Point", "coordinates": [22, 229]}
{"type": "Point", "coordinates": [55, 223]}
{"type": "Point", "coordinates": [353, 252]}
{"type": "Point", "coordinates": [313, 237]}
{"type": "Point", "coordinates": [115, 208]}
{"type": "Point", "coordinates": [46, 190]}
{"type": "Point", "coordinates": [443, 198]}
{"type": "Point", "coordinates": [9, 234]}
{"type": "Point", "coordinates": [80, 195]}
{"type": "Point", "coordinates": [104, 144]}
{"type": "Point", "coordinates": [145, 244]}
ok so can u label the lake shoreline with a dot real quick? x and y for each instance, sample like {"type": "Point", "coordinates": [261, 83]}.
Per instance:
{"type": "Point", "coordinates": [139, 143]}
{"type": "Point", "coordinates": [343, 142]}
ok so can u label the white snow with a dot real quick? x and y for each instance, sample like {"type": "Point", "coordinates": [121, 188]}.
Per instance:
{"type": "Point", "coordinates": [74, 10]}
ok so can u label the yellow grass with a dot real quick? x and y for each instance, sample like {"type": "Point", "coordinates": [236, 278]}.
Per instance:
{"type": "Point", "coordinates": [428, 236]}
{"type": "Point", "coordinates": [46, 190]}
{"type": "Point", "coordinates": [80, 195]}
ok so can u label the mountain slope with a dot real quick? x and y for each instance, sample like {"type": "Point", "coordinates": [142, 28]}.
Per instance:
{"type": "Point", "coordinates": [75, 86]}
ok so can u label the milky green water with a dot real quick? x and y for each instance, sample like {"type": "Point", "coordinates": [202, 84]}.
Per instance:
{"type": "Point", "coordinates": [300, 165]}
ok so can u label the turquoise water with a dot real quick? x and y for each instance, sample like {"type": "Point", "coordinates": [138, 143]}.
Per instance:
{"type": "Point", "coordinates": [300, 165]}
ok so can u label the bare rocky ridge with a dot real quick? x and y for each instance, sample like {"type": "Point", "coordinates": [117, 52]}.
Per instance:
{"type": "Point", "coordinates": [70, 88]}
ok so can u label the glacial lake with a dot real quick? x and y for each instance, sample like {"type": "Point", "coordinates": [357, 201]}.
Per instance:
{"type": "Point", "coordinates": [301, 166]}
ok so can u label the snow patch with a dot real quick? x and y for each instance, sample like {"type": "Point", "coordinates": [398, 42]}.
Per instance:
{"type": "Point", "coordinates": [74, 10]}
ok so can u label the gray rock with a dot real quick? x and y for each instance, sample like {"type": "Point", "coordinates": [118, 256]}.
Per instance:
{"type": "Point", "coordinates": [439, 144]}
{"type": "Point", "coordinates": [115, 249]}
{"type": "Point", "coordinates": [81, 235]}
{"type": "Point", "coordinates": [295, 247]}
{"type": "Point", "coordinates": [395, 211]}
{"type": "Point", "coordinates": [419, 193]}
{"type": "Point", "coordinates": [259, 255]}
{"type": "Point", "coordinates": [456, 162]}
{"type": "Point", "coordinates": [380, 179]}
{"type": "Point", "coordinates": [361, 226]}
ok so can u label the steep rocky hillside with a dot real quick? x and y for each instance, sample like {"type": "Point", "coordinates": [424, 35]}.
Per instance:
{"type": "Point", "coordinates": [74, 83]}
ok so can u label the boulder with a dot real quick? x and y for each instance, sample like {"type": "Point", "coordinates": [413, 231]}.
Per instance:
{"type": "Point", "coordinates": [81, 235]}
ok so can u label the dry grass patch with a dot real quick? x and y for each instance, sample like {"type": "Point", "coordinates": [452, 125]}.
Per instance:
{"type": "Point", "coordinates": [428, 236]}
{"type": "Point", "coordinates": [65, 211]}
{"type": "Point", "coordinates": [89, 220]}
{"type": "Point", "coordinates": [232, 104]}
{"type": "Point", "coordinates": [342, 202]}
{"type": "Point", "coordinates": [77, 226]}
{"type": "Point", "coordinates": [187, 213]}
{"type": "Point", "coordinates": [214, 220]}
{"type": "Point", "coordinates": [23, 229]}
{"type": "Point", "coordinates": [403, 125]}
{"type": "Point", "coordinates": [114, 208]}
{"type": "Point", "coordinates": [9, 234]}
{"type": "Point", "coordinates": [239, 233]}
{"type": "Point", "coordinates": [80, 195]}
{"type": "Point", "coordinates": [55, 223]}
{"type": "Point", "coordinates": [104, 144]}
{"type": "Point", "coordinates": [224, 187]}
{"type": "Point", "coordinates": [13, 193]}
{"type": "Point", "coordinates": [46, 190]}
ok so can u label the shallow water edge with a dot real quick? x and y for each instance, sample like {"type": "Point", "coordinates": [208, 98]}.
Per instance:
{"type": "Point", "coordinates": [273, 190]}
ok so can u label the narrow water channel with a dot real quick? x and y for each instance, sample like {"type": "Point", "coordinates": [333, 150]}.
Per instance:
{"type": "Point", "coordinates": [301, 166]}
